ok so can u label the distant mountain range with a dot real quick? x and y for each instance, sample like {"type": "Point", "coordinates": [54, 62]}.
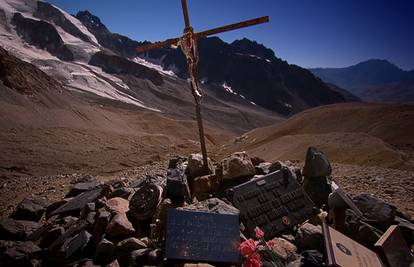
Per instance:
{"type": "Point", "coordinates": [373, 80]}
{"type": "Point", "coordinates": [243, 67]}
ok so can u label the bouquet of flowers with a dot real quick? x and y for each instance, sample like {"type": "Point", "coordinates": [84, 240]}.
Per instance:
{"type": "Point", "coordinates": [249, 249]}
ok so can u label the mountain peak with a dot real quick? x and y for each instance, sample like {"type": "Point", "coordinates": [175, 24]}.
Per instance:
{"type": "Point", "coordinates": [91, 21]}
{"type": "Point", "coordinates": [247, 46]}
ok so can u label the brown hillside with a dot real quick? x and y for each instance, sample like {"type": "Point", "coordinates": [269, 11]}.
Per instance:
{"type": "Point", "coordinates": [355, 133]}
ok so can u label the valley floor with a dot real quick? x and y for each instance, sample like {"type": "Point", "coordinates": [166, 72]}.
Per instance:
{"type": "Point", "coordinates": [393, 186]}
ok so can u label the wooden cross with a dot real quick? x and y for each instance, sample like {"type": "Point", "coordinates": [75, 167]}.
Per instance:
{"type": "Point", "coordinates": [188, 44]}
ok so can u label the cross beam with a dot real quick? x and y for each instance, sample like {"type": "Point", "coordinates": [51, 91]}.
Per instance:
{"type": "Point", "coordinates": [226, 28]}
{"type": "Point", "coordinates": [188, 44]}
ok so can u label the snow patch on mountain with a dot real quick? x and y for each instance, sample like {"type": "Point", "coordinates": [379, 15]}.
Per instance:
{"type": "Point", "coordinates": [79, 25]}
{"type": "Point", "coordinates": [154, 66]}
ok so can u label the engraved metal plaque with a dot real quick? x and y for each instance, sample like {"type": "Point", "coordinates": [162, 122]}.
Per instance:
{"type": "Point", "coordinates": [202, 236]}
{"type": "Point", "coordinates": [274, 203]}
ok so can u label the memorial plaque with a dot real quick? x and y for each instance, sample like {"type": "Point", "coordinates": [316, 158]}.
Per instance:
{"type": "Point", "coordinates": [274, 203]}
{"type": "Point", "coordinates": [202, 236]}
{"type": "Point", "coordinates": [393, 248]}
{"type": "Point", "coordinates": [342, 251]}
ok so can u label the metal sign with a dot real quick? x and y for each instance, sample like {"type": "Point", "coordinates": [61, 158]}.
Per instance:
{"type": "Point", "coordinates": [274, 203]}
{"type": "Point", "coordinates": [202, 236]}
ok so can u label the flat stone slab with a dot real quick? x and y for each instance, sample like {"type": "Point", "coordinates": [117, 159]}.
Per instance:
{"type": "Point", "coordinates": [78, 202]}
{"type": "Point", "coordinates": [202, 236]}
{"type": "Point", "coordinates": [274, 203]}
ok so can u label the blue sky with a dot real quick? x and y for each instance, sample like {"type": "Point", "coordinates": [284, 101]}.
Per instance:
{"type": "Point", "coordinates": [309, 33]}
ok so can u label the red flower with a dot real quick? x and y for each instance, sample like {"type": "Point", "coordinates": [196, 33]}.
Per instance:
{"type": "Point", "coordinates": [247, 250]}
{"type": "Point", "coordinates": [247, 247]}
{"type": "Point", "coordinates": [252, 261]}
{"type": "Point", "coordinates": [259, 232]}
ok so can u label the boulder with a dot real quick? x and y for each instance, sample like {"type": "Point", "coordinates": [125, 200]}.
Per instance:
{"type": "Point", "coordinates": [90, 207]}
{"type": "Point", "coordinates": [235, 166]}
{"type": "Point", "coordinates": [120, 226]}
{"type": "Point", "coordinates": [195, 167]}
{"type": "Point", "coordinates": [312, 258]}
{"type": "Point", "coordinates": [105, 252]}
{"type": "Point", "coordinates": [177, 186]}
{"type": "Point", "coordinates": [262, 168]}
{"type": "Point", "coordinates": [145, 201]}
{"type": "Point", "coordinates": [376, 209]}
{"type": "Point", "coordinates": [115, 263]}
{"type": "Point", "coordinates": [214, 205]}
{"type": "Point", "coordinates": [30, 209]}
{"type": "Point", "coordinates": [51, 236]}
{"type": "Point", "coordinates": [76, 244]}
{"type": "Point", "coordinates": [316, 164]}
{"type": "Point", "coordinates": [204, 185]}
{"type": "Point", "coordinates": [21, 254]}
{"type": "Point", "coordinates": [130, 244]}
{"type": "Point", "coordinates": [257, 161]}
{"type": "Point", "coordinates": [283, 248]}
{"type": "Point", "coordinates": [174, 162]}
{"type": "Point", "coordinates": [318, 189]}
{"type": "Point", "coordinates": [117, 205]}
{"type": "Point", "coordinates": [124, 192]}
{"type": "Point", "coordinates": [102, 219]}
{"type": "Point", "coordinates": [139, 257]}
{"type": "Point", "coordinates": [309, 236]}
{"type": "Point", "coordinates": [11, 229]}
{"type": "Point", "coordinates": [82, 187]}
{"type": "Point", "coordinates": [158, 225]}
{"type": "Point", "coordinates": [74, 205]}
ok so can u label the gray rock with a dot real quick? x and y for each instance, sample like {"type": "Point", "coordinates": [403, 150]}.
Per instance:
{"type": "Point", "coordinates": [214, 205]}
{"type": "Point", "coordinates": [263, 168]}
{"type": "Point", "coordinates": [309, 236]}
{"type": "Point", "coordinates": [195, 166]}
{"type": "Point", "coordinates": [30, 209]}
{"type": "Point", "coordinates": [120, 226]}
{"type": "Point", "coordinates": [101, 222]}
{"type": "Point", "coordinates": [130, 244]}
{"type": "Point", "coordinates": [4, 245]}
{"type": "Point", "coordinates": [316, 164]}
{"type": "Point", "coordinates": [235, 166]}
{"type": "Point", "coordinates": [174, 162]}
{"type": "Point", "coordinates": [77, 203]}
{"type": "Point", "coordinates": [52, 235]}
{"type": "Point", "coordinates": [21, 254]}
{"type": "Point", "coordinates": [11, 229]}
{"type": "Point", "coordinates": [376, 209]}
{"type": "Point", "coordinates": [318, 189]}
{"type": "Point", "coordinates": [76, 244]}
{"type": "Point", "coordinates": [82, 187]}
{"type": "Point", "coordinates": [115, 263]}
{"type": "Point", "coordinates": [105, 252]}
{"type": "Point", "coordinates": [312, 258]}
{"type": "Point", "coordinates": [139, 257]}
{"type": "Point", "coordinates": [177, 186]}
{"type": "Point", "coordinates": [145, 201]}
{"type": "Point", "coordinates": [90, 207]}
{"type": "Point", "coordinates": [124, 192]}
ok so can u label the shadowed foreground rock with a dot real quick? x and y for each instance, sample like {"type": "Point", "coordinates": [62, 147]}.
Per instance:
{"type": "Point", "coordinates": [124, 222]}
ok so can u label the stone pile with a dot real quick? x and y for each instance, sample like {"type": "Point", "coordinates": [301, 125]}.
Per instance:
{"type": "Point", "coordinates": [123, 222]}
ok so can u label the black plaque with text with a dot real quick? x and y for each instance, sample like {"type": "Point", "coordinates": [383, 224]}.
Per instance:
{"type": "Point", "coordinates": [202, 236]}
{"type": "Point", "coordinates": [274, 203]}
